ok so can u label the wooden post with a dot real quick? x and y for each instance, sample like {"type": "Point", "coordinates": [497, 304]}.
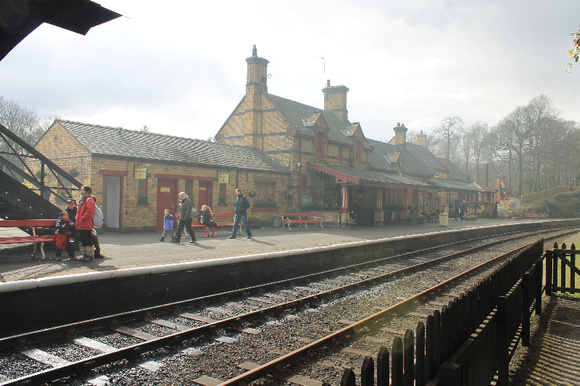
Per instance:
{"type": "Point", "coordinates": [409, 358]}
{"type": "Point", "coordinates": [420, 370]}
{"type": "Point", "coordinates": [383, 373]}
{"type": "Point", "coordinates": [397, 362]}
{"type": "Point", "coordinates": [367, 372]}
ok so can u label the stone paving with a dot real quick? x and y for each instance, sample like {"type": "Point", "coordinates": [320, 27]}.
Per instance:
{"type": "Point", "coordinates": [144, 249]}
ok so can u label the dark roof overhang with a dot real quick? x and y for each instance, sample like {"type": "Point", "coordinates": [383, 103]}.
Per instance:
{"type": "Point", "coordinates": [18, 18]}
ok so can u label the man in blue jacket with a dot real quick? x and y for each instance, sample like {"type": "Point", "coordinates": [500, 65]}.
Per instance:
{"type": "Point", "coordinates": [241, 205]}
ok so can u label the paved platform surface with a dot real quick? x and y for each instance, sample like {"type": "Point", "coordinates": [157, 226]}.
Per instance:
{"type": "Point", "coordinates": [145, 249]}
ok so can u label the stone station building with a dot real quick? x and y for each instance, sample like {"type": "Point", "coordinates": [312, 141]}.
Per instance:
{"type": "Point", "coordinates": [284, 155]}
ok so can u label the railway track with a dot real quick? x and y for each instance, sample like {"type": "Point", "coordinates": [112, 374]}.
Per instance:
{"type": "Point", "coordinates": [257, 333]}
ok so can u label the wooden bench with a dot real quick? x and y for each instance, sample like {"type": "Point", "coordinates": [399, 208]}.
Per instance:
{"type": "Point", "coordinates": [38, 240]}
{"type": "Point", "coordinates": [536, 215]}
{"type": "Point", "coordinates": [302, 218]}
{"type": "Point", "coordinates": [227, 220]}
{"type": "Point", "coordinates": [221, 219]}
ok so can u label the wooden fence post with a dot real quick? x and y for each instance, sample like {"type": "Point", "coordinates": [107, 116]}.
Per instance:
{"type": "Point", "coordinates": [538, 285]}
{"type": "Point", "coordinates": [348, 378]}
{"type": "Point", "coordinates": [409, 358]}
{"type": "Point", "coordinates": [526, 305]}
{"type": "Point", "coordinates": [367, 372]}
{"type": "Point", "coordinates": [573, 264]}
{"type": "Point", "coordinates": [383, 373]}
{"type": "Point", "coordinates": [397, 362]}
{"type": "Point", "coordinates": [549, 266]}
{"type": "Point", "coordinates": [430, 361]}
{"type": "Point", "coordinates": [502, 340]}
{"type": "Point", "coordinates": [420, 370]}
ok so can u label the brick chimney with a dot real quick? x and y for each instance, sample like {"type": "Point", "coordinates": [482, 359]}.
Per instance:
{"type": "Point", "coordinates": [400, 134]}
{"type": "Point", "coordinates": [422, 139]}
{"type": "Point", "coordinates": [257, 72]}
{"type": "Point", "coordinates": [335, 100]}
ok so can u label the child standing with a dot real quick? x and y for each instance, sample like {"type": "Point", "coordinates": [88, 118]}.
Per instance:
{"type": "Point", "coordinates": [168, 222]}
{"type": "Point", "coordinates": [205, 218]}
{"type": "Point", "coordinates": [64, 228]}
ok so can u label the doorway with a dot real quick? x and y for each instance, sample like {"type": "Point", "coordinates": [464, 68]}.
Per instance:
{"type": "Point", "coordinates": [204, 194]}
{"type": "Point", "coordinates": [112, 201]}
{"type": "Point", "coordinates": [166, 199]}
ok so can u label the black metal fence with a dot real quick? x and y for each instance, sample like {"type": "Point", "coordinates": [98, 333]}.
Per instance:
{"type": "Point", "coordinates": [471, 340]}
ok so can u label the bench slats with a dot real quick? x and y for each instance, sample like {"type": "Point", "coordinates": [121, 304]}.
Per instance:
{"type": "Point", "coordinates": [300, 218]}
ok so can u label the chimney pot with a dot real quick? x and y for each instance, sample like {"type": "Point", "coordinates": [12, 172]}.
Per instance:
{"type": "Point", "coordinates": [327, 82]}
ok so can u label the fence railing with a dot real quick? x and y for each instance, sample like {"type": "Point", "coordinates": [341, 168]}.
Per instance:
{"type": "Point", "coordinates": [530, 197]}
{"type": "Point", "coordinates": [471, 340]}
{"type": "Point", "coordinates": [561, 270]}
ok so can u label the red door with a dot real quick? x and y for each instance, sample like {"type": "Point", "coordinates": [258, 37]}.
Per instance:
{"type": "Point", "coordinates": [167, 197]}
{"type": "Point", "coordinates": [203, 194]}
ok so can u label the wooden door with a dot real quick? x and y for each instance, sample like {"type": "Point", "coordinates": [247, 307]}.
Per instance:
{"type": "Point", "coordinates": [167, 198]}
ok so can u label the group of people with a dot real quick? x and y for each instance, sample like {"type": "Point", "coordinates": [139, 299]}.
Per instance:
{"type": "Point", "coordinates": [186, 214]}
{"type": "Point", "coordinates": [77, 221]}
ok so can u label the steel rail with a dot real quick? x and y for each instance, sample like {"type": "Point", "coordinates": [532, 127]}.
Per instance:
{"type": "Point", "coordinates": [273, 366]}
{"type": "Point", "coordinates": [67, 329]}
{"type": "Point", "coordinates": [133, 352]}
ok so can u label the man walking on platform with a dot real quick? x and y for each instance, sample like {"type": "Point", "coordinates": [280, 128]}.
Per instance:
{"type": "Point", "coordinates": [241, 205]}
{"type": "Point", "coordinates": [185, 217]}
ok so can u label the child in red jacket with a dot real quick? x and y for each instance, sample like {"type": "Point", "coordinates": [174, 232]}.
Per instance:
{"type": "Point", "coordinates": [64, 228]}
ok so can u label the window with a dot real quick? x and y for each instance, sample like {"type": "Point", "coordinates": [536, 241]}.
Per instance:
{"type": "Point", "coordinates": [357, 150]}
{"type": "Point", "coordinates": [222, 195]}
{"type": "Point", "coordinates": [64, 187]}
{"type": "Point", "coordinates": [189, 187]}
{"type": "Point", "coordinates": [319, 144]}
{"type": "Point", "coordinates": [265, 190]}
{"type": "Point", "coordinates": [142, 191]}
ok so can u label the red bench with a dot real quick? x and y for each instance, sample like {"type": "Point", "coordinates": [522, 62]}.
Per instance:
{"type": "Point", "coordinates": [33, 238]}
{"type": "Point", "coordinates": [216, 218]}
{"type": "Point", "coordinates": [227, 220]}
{"type": "Point", "coordinates": [289, 218]}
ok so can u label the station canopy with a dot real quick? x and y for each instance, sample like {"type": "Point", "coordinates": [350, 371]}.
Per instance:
{"type": "Point", "coordinates": [18, 18]}
{"type": "Point", "coordinates": [348, 175]}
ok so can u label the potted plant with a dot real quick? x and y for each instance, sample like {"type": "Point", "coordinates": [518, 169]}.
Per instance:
{"type": "Point", "coordinates": [251, 194]}
{"type": "Point", "coordinates": [74, 172]}
{"type": "Point", "coordinates": [350, 224]}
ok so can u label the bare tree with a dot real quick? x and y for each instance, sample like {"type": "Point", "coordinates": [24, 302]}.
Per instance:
{"type": "Point", "coordinates": [472, 143]}
{"type": "Point", "coordinates": [448, 130]}
{"type": "Point", "coordinates": [24, 122]}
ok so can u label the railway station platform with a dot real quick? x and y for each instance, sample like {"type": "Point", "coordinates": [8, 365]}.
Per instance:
{"type": "Point", "coordinates": [131, 250]}
{"type": "Point", "coordinates": [552, 359]}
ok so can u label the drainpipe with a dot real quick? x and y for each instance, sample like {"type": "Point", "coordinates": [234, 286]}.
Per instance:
{"type": "Point", "coordinates": [299, 172]}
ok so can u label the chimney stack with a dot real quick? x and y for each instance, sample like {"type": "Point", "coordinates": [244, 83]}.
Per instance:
{"type": "Point", "coordinates": [335, 100]}
{"type": "Point", "coordinates": [400, 134]}
{"type": "Point", "coordinates": [422, 139]}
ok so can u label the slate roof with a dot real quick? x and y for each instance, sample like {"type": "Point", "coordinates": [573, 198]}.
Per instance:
{"type": "Point", "coordinates": [300, 117]}
{"type": "Point", "coordinates": [454, 172]}
{"type": "Point", "coordinates": [123, 143]}
{"type": "Point", "coordinates": [449, 185]}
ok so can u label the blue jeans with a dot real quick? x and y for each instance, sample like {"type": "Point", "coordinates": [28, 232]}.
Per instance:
{"type": "Point", "coordinates": [244, 219]}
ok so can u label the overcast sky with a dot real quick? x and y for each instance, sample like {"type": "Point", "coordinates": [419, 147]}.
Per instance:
{"type": "Point", "coordinates": [179, 66]}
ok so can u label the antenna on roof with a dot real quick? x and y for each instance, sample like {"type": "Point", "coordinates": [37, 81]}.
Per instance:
{"type": "Point", "coordinates": [323, 65]}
